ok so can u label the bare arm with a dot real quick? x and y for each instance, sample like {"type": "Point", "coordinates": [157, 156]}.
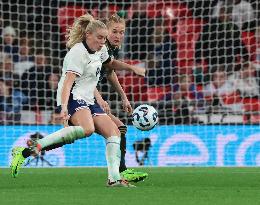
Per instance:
{"type": "Point", "coordinates": [119, 65]}
{"type": "Point", "coordinates": [112, 77]}
{"type": "Point", "coordinates": [65, 94]}
{"type": "Point", "coordinates": [97, 95]}
{"type": "Point", "coordinates": [67, 85]}
{"type": "Point", "coordinates": [104, 105]}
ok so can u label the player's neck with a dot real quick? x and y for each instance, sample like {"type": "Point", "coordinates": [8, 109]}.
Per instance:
{"type": "Point", "coordinates": [88, 48]}
{"type": "Point", "coordinates": [110, 45]}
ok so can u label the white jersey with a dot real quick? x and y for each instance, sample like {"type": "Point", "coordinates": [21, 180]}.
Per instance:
{"type": "Point", "coordinates": [86, 64]}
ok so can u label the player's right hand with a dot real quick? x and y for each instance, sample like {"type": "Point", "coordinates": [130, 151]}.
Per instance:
{"type": "Point", "coordinates": [64, 116]}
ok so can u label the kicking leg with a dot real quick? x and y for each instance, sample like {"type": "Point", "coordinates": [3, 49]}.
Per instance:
{"type": "Point", "coordinates": [81, 118]}
{"type": "Point", "coordinates": [84, 126]}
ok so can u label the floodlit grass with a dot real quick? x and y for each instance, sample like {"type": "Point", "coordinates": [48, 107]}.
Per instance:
{"type": "Point", "coordinates": [86, 186]}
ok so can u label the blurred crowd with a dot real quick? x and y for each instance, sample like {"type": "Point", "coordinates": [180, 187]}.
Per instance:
{"type": "Point", "coordinates": [200, 56]}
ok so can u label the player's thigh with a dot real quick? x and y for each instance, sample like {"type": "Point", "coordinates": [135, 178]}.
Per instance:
{"type": "Point", "coordinates": [105, 126]}
{"type": "Point", "coordinates": [84, 119]}
{"type": "Point", "coordinates": [116, 120]}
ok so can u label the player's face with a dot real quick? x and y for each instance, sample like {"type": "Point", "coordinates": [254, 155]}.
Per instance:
{"type": "Point", "coordinates": [97, 39]}
{"type": "Point", "coordinates": [116, 33]}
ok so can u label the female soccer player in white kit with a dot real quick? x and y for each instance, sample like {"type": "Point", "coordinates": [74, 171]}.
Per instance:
{"type": "Point", "coordinates": [75, 96]}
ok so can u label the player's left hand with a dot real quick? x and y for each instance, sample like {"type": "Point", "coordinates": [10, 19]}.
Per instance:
{"type": "Point", "coordinates": [139, 71]}
{"type": "Point", "coordinates": [127, 106]}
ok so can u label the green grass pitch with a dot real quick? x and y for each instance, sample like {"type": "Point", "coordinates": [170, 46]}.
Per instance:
{"type": "Point", "coordinates": [165, 186]}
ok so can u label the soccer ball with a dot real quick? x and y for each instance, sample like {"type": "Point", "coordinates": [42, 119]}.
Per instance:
{"type": "Point", "coordinates": [145, 117]}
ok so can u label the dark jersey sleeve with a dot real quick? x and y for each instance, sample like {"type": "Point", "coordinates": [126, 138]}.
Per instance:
{"type": "Point", "coordinates": [107, 61]}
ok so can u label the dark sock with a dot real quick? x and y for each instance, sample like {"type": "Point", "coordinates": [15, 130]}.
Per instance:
{"type": "Point", "coordinates": [54, 146]}
{"type": "Point", "coordinates": [26, 152]}
{"type": "Point", "coordinates": [123, 130]}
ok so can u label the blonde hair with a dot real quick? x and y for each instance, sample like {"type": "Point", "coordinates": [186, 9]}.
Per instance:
{"type": "Point", "coordinates": [80, 27]}
{"type": "Point", "coordinates": [114, 19]}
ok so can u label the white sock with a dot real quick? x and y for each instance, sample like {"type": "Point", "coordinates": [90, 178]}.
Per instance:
{"type": "Point", "coordinates": [66, 135]}
{"type": "Point", "coordinates": [113, 156]}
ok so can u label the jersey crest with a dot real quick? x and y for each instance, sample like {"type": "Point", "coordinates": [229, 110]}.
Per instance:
{"type": "Point", "coordinates": [98, 71]}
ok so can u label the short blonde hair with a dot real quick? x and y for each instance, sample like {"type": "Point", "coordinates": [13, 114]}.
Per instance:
{"type": "Point", "coordinates": [114, 19]}
{"type": "Point", "coordinates": [80, 27]}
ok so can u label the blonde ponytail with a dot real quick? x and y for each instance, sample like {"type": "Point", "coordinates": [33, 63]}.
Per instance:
{"type": "Point", "coordinates": [76, 33]}
{"type": "Point", "coordinates": [81, 25]}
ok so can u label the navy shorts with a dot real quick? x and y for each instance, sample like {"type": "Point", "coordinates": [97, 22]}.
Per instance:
{"type": "Point", "coordinates": [76, 105]}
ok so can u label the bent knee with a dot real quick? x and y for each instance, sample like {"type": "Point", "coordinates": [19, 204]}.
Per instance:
{"type": "Point", "coordinates": [89, 130]}
{"type": "Point", "coordinates": [112, 131]}
{"type": "Point", "coordinates": [115, 131]}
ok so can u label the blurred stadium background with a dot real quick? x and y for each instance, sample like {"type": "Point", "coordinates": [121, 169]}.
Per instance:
{"type": "Point", "coordinates": [202, 60]}
{"type": "Point", "coordinates": [203, 74]}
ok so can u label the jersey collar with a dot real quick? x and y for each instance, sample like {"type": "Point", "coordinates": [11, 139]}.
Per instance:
{"type": "Point", "coordinates": [86, 46]}
{"type": "Point", "coordinates": [110, 46]}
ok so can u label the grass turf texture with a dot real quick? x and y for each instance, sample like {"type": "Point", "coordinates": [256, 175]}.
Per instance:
{"type": "Point", "coordinates": [76, 186]}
